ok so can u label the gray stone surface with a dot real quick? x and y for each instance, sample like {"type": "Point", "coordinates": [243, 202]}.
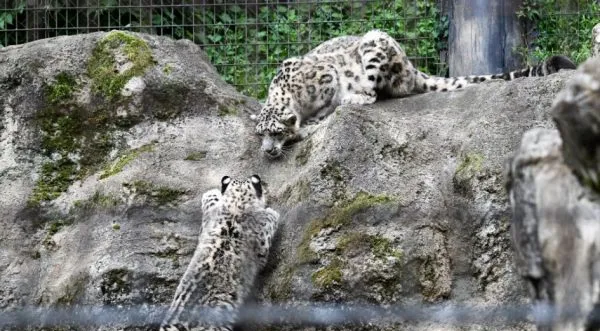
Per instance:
{"type": "Point", "coordinates": [596, 40]}
{"type": "Point", "coordinates": [553, 185]}
{"type": "Point", "coordinates": [401, 201]}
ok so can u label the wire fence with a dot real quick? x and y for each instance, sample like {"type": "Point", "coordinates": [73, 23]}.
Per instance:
{"type": "Point", "coordinates": [247, 39]}
{"type": "Point", "coordinates": [310, 314]}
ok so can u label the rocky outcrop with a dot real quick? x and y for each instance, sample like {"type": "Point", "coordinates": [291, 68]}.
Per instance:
{"type": "Point", "coordinates": [596, 40]}
{"type": "Point", "coordinates": [553, 183]}
{"type": "Point", "coordinates": [109, 140]}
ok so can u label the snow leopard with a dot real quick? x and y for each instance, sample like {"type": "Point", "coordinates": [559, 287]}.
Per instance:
{"type": "Point", "coordinates": [354, 70]}
{"type": "Point", "coordinates": [233, 246]}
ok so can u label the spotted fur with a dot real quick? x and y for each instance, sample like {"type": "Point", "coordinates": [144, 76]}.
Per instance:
{"type": "Point", "coordinates": [354, 70]}
{"type": "Point", "coordinates": [237, 233]}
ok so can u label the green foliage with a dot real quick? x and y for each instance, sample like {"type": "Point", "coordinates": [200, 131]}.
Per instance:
{"type": "Point", "coordinates": [256, 43]}
{"type": "Point", "coordinates": [246, 43]}
{"type": "Point", "coordinates": [557, 27]}
{"type": "Point", "coordinates": [7, 17]}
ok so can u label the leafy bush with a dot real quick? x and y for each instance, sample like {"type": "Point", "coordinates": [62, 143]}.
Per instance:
{"type": "Point", "coordinates": [247, 43]}
{"type": "Point", "coordinates": [558, 27]}
{"type": "Point", "coordinates": [7, 17]}
{"type": "Point", "coordinates": [246, 48]}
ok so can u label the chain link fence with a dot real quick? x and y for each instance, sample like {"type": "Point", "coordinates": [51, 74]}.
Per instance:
{"type": "Point", "coordinates": [247, 39]}
{"type": "Point", "coordinates": [552, 27]}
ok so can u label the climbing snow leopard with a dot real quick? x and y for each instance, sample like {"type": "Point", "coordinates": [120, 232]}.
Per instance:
{"type": "Point", "coordinates": [237, 232]}
{"type": "Point", "coordinates": [354, 70]}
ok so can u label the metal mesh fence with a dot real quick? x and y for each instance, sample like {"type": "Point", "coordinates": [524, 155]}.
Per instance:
{"type": "Point", "coordinates": [247, 39]}
{"type": "Point", "coordinates": [557, 27]}
{"type": "Point", "coordinates": [308, 315]}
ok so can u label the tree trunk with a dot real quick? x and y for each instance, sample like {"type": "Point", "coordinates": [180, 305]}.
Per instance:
{"type": "Point", "coordinates": [482, 37]}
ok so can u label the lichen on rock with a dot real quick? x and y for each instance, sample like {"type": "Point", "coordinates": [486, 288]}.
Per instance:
{"type": "Point", "coordinates": [117, 165]}
{"type": "Point", "coordinates": [118, 57]}
{"type": "Point", "coordinates": [337, 217]}
{"type": "Point", "coordinates": [330, 275]}
{"type": "Point", "coordinates": [154, 194]}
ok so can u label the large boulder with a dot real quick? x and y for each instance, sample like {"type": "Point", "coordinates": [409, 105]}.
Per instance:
{"type": "Point", "coordinates": [554, 182]}
{"type": "Point", "coordinates": [108, 141]}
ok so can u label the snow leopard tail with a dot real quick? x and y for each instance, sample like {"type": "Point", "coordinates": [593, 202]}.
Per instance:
{"type": "Point", "coordinates": [551, 65]}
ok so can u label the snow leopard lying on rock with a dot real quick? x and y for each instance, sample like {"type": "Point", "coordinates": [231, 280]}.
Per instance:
{"type": "Point", "coordinates": [237, 232]}
{"type": "Point", "coordinates": [354, 70]}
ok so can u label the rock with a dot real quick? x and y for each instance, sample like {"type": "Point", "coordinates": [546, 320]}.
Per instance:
{"type": "Point", "coordinates": [596, 40]}
{"type": "Point", "coordinates": [553, 184]}
{"type": "Point", "coordinates": [105, 156]}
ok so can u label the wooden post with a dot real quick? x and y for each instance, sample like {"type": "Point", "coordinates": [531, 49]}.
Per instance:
{"type": "Point", "coordinates": [482, 37]}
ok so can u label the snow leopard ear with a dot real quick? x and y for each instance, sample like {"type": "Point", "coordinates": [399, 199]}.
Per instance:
{"type": "Point", "coordinates": [256, 183]}
{"type": "Point", "coordinates": [291, 121]}
{"type": "Point", "coordinates": [224, 183]}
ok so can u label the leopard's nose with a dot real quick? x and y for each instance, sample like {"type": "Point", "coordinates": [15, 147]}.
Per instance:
{"type": "Point", "coordinates": [272, 152]}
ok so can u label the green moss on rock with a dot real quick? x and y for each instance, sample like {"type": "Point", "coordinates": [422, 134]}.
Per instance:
{"type": "Point", "coordinates": [329, 276]}
{"type": "Point", "coordinates": [469, 168]}
{"type": "Point", "coordinates": [280, 288]}
{"type": "Point", "coordinates": [196, 156]}
{"type": "Point", "coordinates": [62, 124]}
{"type": "Point", "coordinates": [337, 217]}
{"type": "Point", "coordinates": [71, 139]}
{"type": "Point", "coordinates": [53, 227]}
{"type": "Point", "coordinates": [160, 195]}
{"type": "Point", "coordinates": [167, 69]}
{"type": "Point", "coordinates": [227, 110]}
{"type": "Point", "coordinates": [77, 139]}
{"type": "Point", "coordinates": [117, 166]}
{"type": "Point", "coordinates": [97, 201]}
{"type": "Point", "coordinates": [470, 165]}
{"type": "Point", "coordinates": [54, 179]}
{"type": "Point", "coordinates": [63, 88]}
{"type": "Point", "coordinates": [382, 248]}
{"type": "Point", "coordinates": [379, 246]}
{"type": "Point", "coordinates": [103, 67]}
{"type": "Point", "coordinates": [352, 241]}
